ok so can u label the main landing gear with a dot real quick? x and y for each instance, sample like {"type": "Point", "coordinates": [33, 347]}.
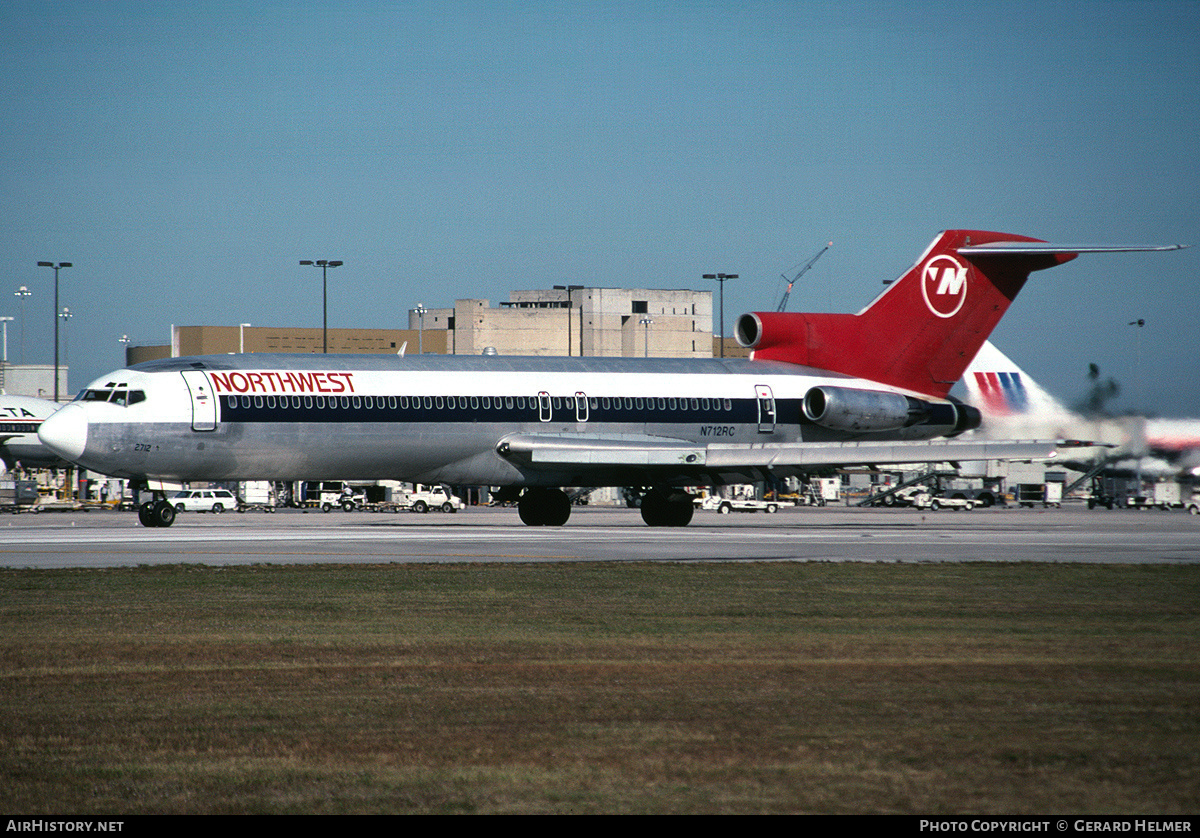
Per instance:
{"type": "Point", "coordinates": [544, 507]}
{"type": "Point", "coordinates": [539, 507]}
{"type": "Point", "coordinates": [667, 508]}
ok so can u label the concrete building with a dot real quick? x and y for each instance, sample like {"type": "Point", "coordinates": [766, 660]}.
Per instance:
{"type": "Point", "coordinates": [562, 321]}
{"type": "Point", "coordinates": [578, 321]}
{"type": "Point", "coordinates": [36, 380]}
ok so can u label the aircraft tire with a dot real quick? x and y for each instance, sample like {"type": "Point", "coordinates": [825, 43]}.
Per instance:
{"type": "Point", "coordinates": [544, 507]}
{"type": "Point", "coordinates": [661, 510]}
{"type": "Point", "coordinates": [146, 515]}
{"type": "Point", "coordinates": [529, 510]}
{"type": "Point", "coordinates": [164, 514]}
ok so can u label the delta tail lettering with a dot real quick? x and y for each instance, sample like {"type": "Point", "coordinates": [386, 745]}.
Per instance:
{"type": "Point", "coordinates": [818, 390]}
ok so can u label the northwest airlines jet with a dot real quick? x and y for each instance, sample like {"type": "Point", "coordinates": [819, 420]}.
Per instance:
{"type": "Point", "coordinates": [818, 390]}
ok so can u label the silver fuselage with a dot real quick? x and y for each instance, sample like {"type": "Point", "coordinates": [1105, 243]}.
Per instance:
{"type": "Point", "coordinates": [433, 419]}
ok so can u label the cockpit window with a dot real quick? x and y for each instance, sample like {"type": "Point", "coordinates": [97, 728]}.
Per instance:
{"type": "Point", "coordinates": [119, 396]}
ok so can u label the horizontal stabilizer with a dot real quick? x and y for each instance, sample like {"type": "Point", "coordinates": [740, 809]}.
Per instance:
{"type": "Point", "coordinates": [1015, 248]}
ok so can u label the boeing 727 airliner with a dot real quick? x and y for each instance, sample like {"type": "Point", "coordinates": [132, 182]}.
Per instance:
{"type": "Point", "coordinates": [818, 390]}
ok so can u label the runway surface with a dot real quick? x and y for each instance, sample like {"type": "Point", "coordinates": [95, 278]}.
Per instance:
{"type": "Point", "coordinates": [831, 534]}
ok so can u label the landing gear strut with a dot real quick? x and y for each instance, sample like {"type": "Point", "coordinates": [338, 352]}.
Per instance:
{"type": "Point", "coordinates": [544, 507]}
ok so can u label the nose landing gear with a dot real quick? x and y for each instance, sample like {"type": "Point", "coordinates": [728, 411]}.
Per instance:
{"type": "Point", "coordinates": [159, 512]}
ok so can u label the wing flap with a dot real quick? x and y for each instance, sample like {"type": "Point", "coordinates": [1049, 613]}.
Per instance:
{"type": "Point", "coordinates": [801, 454]}
{"type": "Point", "coordinates": [597, 450]}
{"type": "Point", "coordinates": [582, 450]}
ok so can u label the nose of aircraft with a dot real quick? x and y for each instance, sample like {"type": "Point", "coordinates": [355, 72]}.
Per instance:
{"type": "Point", "coordinates": [65, 432]}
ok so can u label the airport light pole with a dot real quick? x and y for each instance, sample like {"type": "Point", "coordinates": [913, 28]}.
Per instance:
{"type": "Point", "coordinates": [646, 321]}
{"type": "Point", "coordinates": [124, 341]}
{"type": "Point", "coordinates": [721, 279]}
{"type": "Point", "coordinates": [242, 337]}
{"type": "Point", "coordinates": [323, 264]}
{"type": "Point", "coordinates": [420, 310]}
{"type": "Point", "coordinates": [21, 293]}
{"type": "Point", "coordinates": [56, 269]}
{"type": "Point", "coordinates": [65, 316]}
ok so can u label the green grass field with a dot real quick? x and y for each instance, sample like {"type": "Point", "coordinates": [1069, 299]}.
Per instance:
{"type": "Point", "coordinates": [602, 688]}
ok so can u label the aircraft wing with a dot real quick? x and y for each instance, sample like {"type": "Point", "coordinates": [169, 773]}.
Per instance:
{"type": "Point", "coordinates": [579, 450]}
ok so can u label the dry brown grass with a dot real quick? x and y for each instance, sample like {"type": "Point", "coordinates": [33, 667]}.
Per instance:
{"type": "Point", "coordinates": [724, 688]}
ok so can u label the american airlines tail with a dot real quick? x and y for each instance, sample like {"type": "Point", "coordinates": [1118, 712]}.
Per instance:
{"type": "Point", "coordinates": [1013, 405]}
{"type": "Point", "coordinates": [921, 332]}
{"type": "Point", "coordinates": [1011, 402]}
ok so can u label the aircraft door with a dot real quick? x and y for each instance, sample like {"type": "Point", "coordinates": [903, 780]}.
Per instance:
{"type": "Point", "coordinates": [581, 407]}
{"type": "Point", "coordinates": [544, 409]}
{"type": "Point", "coordinates": [766, 408]}
{"type": "Point", "coordinates": [204, 401]}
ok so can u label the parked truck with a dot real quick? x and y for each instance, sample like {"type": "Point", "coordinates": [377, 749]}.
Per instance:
{"type": "Point", "coordinates": [422, 498]}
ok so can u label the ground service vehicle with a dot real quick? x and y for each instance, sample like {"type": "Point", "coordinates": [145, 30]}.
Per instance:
{"type": "Point", "coordinates": [425, 498]}
{"type": "Point", "coordinates": [727, 505]}
{"type": "Point", "coordinates": [924, 500]}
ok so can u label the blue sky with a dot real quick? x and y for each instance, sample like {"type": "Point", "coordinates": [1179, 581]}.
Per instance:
{"type": "Point", "coordinates": [185, 157]}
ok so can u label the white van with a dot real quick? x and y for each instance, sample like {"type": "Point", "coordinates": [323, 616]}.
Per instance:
{"type": "Point", "coordinates": [204, 500]}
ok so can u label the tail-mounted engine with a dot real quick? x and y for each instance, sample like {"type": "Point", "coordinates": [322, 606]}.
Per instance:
{"type": "Point", "coordinates": [869, 411]}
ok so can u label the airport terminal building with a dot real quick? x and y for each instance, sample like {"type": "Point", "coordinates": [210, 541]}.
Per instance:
{"type": "Point", "coordinates": [562, 321]}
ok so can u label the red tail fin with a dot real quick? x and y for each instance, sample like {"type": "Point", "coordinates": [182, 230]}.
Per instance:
{"type": "Point", "coordinates": [921, 332]}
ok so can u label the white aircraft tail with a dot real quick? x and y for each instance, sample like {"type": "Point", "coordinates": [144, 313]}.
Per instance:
{"type": "Point", "coordinates": [1005, 394]}
{"type": "Point", "coordinates": [1014, 406]}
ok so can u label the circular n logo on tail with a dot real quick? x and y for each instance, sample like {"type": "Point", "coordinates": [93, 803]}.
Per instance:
{"type": "Point", "coordinates": [944, 285]}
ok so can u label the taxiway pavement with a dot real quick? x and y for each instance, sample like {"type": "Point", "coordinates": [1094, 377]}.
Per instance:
{"type": "Point", "coordinates": [830, 534]}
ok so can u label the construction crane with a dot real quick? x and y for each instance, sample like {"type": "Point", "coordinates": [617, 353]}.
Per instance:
{"type": "Point", "coordinates": [802, 272]}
